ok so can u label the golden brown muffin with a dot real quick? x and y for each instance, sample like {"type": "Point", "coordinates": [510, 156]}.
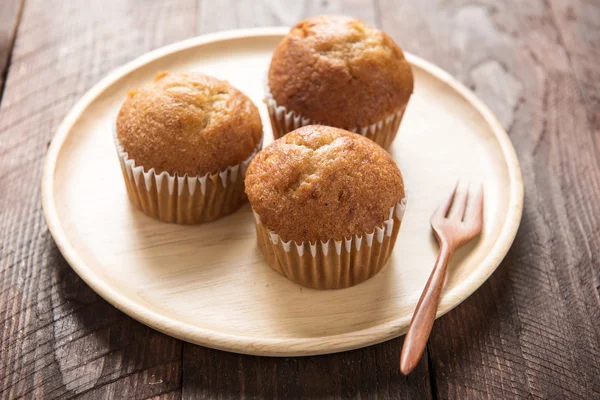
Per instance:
{"type": "Point", "coordinates": [321, 183]}
{"type": "Point", "coordinates": [341, 72]}
{"type": "Point", "coordinates": [188, 123]}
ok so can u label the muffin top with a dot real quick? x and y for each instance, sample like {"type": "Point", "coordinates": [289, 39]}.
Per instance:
{"type": "Point", "coordinates": [340, 71]}
{"type": "Point", "coordinates": [188, 123]}
{"type": "Point", "coordinates": [321, 183]}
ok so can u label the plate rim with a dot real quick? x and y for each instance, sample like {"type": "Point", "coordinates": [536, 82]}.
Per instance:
{"type": "Point", "coordinates": [274, 346]}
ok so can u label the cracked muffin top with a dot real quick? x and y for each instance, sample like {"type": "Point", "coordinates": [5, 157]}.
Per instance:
{"type": "Point", "coordinates": [321, 183]}
{"type": "Point", "coordinates": [339, 71]}
{"type": "Point", "coordinates": [188, 123]}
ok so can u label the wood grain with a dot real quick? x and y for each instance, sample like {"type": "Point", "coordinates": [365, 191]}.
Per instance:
{"type": "Point", "coordinates": [235, 14]}
{"type": "Point", "coordinates": [532, 330]}
{"type": "Point", "coordinates": [365, 373]}
{"type": "Point", "coordinates": [58, 338]}
{"type": "Point", "coordinates": [10, 15]}
{"type": "Point", "coordinates": [578, 25]}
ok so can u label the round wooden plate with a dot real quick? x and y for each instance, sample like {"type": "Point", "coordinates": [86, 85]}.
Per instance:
{"type": "Point", "coordinates": [209, 284]}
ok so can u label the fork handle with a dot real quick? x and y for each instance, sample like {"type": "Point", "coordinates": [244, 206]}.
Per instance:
{"type": "Point", "coordinates": [422, 320]}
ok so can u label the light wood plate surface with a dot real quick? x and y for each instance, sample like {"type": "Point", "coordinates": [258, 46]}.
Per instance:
{"type": "Point", "coordinates": [208, 284]}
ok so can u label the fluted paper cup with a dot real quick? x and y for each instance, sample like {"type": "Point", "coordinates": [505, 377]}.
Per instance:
{"type": "Point", "coordinates": [184, 199]}
{"type": "Point", "coordinates": [283, 121]}
{"type": "Point", "coordinates": [334, 264]}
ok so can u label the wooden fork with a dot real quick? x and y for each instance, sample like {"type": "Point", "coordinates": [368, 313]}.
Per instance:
{"type": "Point", "coordinates": [458, 220]}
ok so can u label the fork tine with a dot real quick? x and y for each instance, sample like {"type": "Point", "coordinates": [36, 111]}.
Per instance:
{"type": "Point", "coordinates": [474, 211]}
{"type": "Point", "coordinates": [459, 204]}
{"type": "Point", "coordinates": [443, 209]}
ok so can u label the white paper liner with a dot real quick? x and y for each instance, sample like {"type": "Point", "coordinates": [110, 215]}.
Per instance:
{"type": "Point", "coordinates": [283, 121]}
{"type": "Point", "coordinates": [333, 264]}
{"type": "Point", "coordinates": [184, 199]}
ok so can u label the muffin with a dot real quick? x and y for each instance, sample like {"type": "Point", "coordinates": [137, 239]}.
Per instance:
{"type": "Point", "coordinates": [338, 71]}
{"type": "Point", "coordinates": [184, 142]}
{"type": "Point", "coordinates": [328, 204]}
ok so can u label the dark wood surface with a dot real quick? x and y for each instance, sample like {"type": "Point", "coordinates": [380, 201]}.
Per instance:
{"type": "Point", "coordinates": [531, 331]}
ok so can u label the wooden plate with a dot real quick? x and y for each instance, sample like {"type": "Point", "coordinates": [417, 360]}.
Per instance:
{"type": "Point", "coordinates": [208, 284]}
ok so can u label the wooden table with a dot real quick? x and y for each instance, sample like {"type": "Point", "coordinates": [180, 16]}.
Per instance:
{"type": "Point", "coordinates": [531, 331]}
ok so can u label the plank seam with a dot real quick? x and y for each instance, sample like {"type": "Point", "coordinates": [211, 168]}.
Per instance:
{"type": "Point", "coordinates": [11, 47]}
{"type": "Point", "coordinates": [431, 372]}
{"type": "Point", "coordinates": [183, 346]}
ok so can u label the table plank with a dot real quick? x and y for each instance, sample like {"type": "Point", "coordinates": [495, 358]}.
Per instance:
{"type": "Point", "coordinates": [362, 373]}
{"type": "Point", "coordinates": [58, 338]}
{"type": "Point", "coordinates": [578, 24]}
{"type": "Point", "coordinates": [10, 14]}
{"type": "Point", "coordinates": [235, 14]}
{"type": "Point", "coordinates": [365, 373]}
{"type": "Point", "coordinates": [532, 330]}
